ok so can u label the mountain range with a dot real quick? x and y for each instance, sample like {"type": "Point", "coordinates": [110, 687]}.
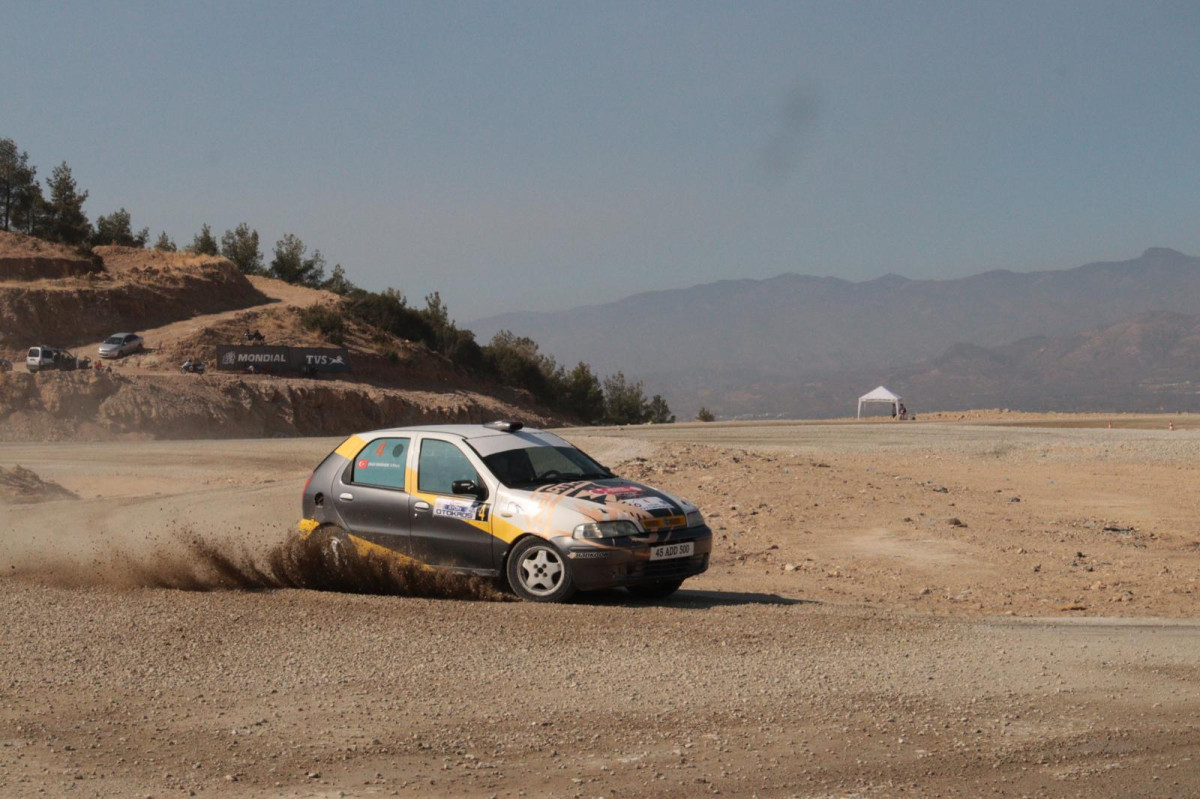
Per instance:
{"type": "Point", "coordinates": [1072, 339]}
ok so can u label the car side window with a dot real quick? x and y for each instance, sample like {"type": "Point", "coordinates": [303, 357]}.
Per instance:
{"type": "Point", "coordinates": [382, 463]}
{"type": "Point", "coordinates": [440, 464]}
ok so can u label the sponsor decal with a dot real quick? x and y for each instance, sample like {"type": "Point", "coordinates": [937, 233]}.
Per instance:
{"type": "Point", "coordinates": [649, 503]}
{"type": "Point", "coordinates": [593, 491]}
{"type": "Point", "coordinates": [464, 509]}
{"type": "Point", "coordinates": [588, 555]}
{"type": "Point", "coordinates": [617, 491]}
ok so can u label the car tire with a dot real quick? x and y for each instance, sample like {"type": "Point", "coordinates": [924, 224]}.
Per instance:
{"type": "Point", "coordinates": [330, 547]}
{"type": "Point", "coordinates": [654, 590]}
{"type": "Point", "coordinates": [538, 572]}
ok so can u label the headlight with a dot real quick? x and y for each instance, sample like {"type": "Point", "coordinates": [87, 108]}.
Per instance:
{"type": "Point", "coordinates": [606, 529]}
{"type": "Point", "coordinates": [695, 518]}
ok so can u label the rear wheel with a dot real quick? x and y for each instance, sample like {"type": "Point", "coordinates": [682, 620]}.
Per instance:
{"type": "Point", "coordinates": [330, 547]}
{"type": "Point", "coordinates": [654, 590]}
{"type": "Point", "coordinates": [538, 572]}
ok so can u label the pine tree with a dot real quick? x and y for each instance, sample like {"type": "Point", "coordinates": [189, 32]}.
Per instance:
{"type": "Point", "coordinates": [658, 412]}
{"type": "Point", "coordinates": [582, 395]}
{"type": "Point", "coordinates": [18, 183]}
{"type": "Point", "coordinates": [29, 212]}
{"type": "Point", "coordinates": [241, 246]}
{"type": "Point", "coordinates": [624, 402]}
{"type": "Point", "coordinates": [291, 265]}
{"type": "Point", "coordinates": [65, 220]}
{"type": "Point", "coordinates": [165, 243]}
{"type": "Point", "coordinates": [203, 243]}
{"type": "Point", "coordinates": [117, 228]}
{"type": "Point", "coordinates": [338, 283]}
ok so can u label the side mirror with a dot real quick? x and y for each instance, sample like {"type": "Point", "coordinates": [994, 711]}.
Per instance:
{"type": "Point", "coordinates": [469, 488]}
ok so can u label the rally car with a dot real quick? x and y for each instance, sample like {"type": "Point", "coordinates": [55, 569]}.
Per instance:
{"type": "Point", "coordinates": [499, 500]}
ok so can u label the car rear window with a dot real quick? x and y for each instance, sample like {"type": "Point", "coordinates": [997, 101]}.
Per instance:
{"type": "Point", "coordinates": [382, 463]}
{"type": "Point", "coordinates": [35, 352]}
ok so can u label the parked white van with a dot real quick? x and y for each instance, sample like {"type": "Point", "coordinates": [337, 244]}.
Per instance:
{"type": "Point", "coordinates": [40, 359]}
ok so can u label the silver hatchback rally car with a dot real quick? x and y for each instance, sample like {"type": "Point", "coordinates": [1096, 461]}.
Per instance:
{"type": "Point", "coordinates": [503, 501]}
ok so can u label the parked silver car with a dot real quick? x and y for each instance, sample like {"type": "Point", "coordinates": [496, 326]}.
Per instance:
{"type": "Point", "coordinates": [120, 345]}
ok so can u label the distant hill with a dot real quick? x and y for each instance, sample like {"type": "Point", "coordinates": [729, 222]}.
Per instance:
{"type": "Point", "coordinates": [1148, 363]}
{"type": "Point", "coordinates": [795, 345]}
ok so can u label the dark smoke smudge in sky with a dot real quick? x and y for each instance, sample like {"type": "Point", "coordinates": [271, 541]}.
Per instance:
{"type": "Point", "coordinates": [798, 115]}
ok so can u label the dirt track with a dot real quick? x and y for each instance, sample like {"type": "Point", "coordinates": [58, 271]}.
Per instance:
{"type": "Point", "coordinates": [884, 662]}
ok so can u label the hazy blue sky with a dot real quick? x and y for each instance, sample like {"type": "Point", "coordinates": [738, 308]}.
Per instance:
{"type": "Point", "coordinates": [539, 156]}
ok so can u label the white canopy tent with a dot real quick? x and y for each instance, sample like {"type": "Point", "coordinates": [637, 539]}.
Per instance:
{"type": "Point", "coordinates": [881, 394]}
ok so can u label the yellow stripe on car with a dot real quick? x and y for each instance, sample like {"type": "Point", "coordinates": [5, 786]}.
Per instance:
{"type": "Point", "coordinates": [351, 447]}
{"type": "Point", "coordinates": [366, 548]}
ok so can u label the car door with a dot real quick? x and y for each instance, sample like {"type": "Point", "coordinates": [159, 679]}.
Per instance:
{"type": "Point", "coordinates": [130, 345]}
{"type": "Point", "coordinates": [449, 529]}
{"type": "Point", "coordinates": [371, 493]}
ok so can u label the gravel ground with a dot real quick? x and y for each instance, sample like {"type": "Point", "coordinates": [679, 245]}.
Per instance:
{"type": "Point", "coordinates": [864, 670]}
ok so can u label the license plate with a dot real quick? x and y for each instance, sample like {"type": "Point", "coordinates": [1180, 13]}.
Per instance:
{"type": "Point", "coordinates": [668, 551]}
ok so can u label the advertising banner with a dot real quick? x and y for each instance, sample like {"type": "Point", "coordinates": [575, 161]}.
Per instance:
{"type": "Point", "coordinates": [232, 358]}
{"type": "Point", "coordinates": [320, 359]}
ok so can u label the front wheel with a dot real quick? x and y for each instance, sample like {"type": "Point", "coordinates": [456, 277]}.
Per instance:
{"type": "Point", "coordinates": [538, 572]}
{"type": "Point", "coordinates": [654, 590]}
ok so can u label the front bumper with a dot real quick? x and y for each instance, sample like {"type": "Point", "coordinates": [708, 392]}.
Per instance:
{"type": "Point", "coordinates": [614, 562]}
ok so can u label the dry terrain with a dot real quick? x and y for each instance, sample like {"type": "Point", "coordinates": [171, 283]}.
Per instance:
{"type": "Point", "coordinates": [973, 607]}
{"type": "Point", "coordinates": [184, 306]}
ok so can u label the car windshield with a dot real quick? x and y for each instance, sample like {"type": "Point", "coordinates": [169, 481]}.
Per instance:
{"type": "Point", "coordinates": [114, 340]}
{"type": "Point", "coordinates": [543, 465]}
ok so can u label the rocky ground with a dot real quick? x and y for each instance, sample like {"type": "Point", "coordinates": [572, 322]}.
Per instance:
{"type": "Point", "coordinates": [883, 618]}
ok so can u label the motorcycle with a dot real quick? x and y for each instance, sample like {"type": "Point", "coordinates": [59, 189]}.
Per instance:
{"type": "Point", "coordinates": [254, 336]}
{"type": "Point", "coordinates": [192, 367]}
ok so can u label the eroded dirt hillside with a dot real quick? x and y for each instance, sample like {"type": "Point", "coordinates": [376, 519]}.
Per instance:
{"type": "Point", "coordinates": [55, 406]}
{"type": "Point", "coordinates": [67, 300]}
{"type": "Point", "coordinates": [184, 306]}
{"type": "Point", "coordinates": [26, 258]}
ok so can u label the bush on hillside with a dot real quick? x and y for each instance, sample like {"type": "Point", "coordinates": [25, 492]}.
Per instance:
{"type": "Point", "coordinates": [515, 361]}
{"type": "Point", "coordinates": [388, 310]}
{"type": "Point", "coordinates": [328, 320]}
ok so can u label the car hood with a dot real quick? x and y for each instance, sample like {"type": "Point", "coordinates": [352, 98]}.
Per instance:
{"type": "Point", "coordinates": [557, 509]}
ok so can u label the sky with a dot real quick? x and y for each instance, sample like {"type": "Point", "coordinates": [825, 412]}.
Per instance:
{"type": "Point", "coordinates": [541, 156]}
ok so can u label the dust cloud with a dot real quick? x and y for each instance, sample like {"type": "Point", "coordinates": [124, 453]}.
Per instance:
{"type": "Point", "coordinates": [185, 561]}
